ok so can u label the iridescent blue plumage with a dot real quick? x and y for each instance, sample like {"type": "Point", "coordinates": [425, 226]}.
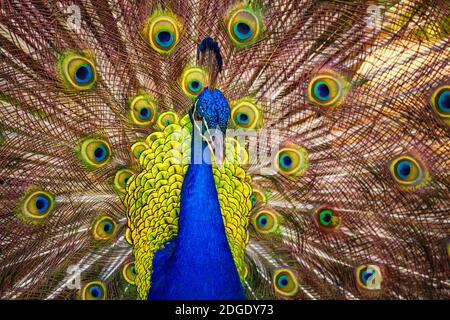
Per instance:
{"type": "Point", "coordinates": [84, 73]}
{"type": "Point", "coordinates": [42, 203]}
{"type": "Point", "coordinates": [444, 101]}
{"type": "Point", "coordinates": [198, 263]}
{"type": "Point", "coordinates": [214, 108]}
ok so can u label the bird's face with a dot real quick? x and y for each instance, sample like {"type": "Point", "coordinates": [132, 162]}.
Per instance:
{"type": "Point", "coordinates": [209, 113]}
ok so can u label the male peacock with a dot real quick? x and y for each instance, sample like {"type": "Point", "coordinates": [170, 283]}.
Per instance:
{"type": "Point", "coordinates": [111, 111]}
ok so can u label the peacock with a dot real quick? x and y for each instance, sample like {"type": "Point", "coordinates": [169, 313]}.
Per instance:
{"type": "Point", "coordinates": [224, 150]}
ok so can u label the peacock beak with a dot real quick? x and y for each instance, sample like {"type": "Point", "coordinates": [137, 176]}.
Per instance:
{"type": "Point", "coordinates": [213, 119]}
{"type": "Point", "coordinates": [219, 148]}
{"type": "Point", "coordinates": [216, 143]}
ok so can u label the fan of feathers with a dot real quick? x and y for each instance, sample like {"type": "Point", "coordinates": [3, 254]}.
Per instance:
{"type": "Point", "coordinates": [355, 204]}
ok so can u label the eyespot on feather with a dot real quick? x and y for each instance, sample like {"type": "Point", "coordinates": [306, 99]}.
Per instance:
{"type": "Point", "coordinates": [327, 89]}
{"type": "Point", "coordinates": [440, 102]}
{"type": "Point", "coordinates": [258, 197]}
{"type": "Point", "coordinates": [291, 161]}
{"type": "Point", "coordinates": [36, 205]}
{"type": "Point", "coordinates": [167, 118]}
{"type": "Point", "coordinates": [142, 110]}
{"type": "Point", "coordinates": [369, 278]}
{"type": "Point", "coordinates": [104, 228]}
{"type": "Point", "coordinates": [244, 25]}
{"type": "Point", "coordinates": [193, 81]}
{"type": "Point", "coordinates": [129, 272]}
{"type": "Point", "coordinates": [408, 172]}
{"type": "Point", "coordinates": [266, 222]}
{"type": "Point", "coordinates": [94, 290]}
{"type": "Point", "coordinates": [285, 282]}
{"type": "Point", "coordinates": [326, 218]}
{"type": "Point", "coordinates": [121, 178]}
{"type": "Point", "coordinates": [94, 152]}
{"type": "Point", "coordinates": [163, 31]}
{"type": "Point", "coordinates": [246, 114]}
{"type": "Point", "coordinates": [77, 70]}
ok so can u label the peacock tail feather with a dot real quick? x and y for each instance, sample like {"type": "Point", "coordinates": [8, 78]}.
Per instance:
{"type": "Point", "coordinates": [345, 194]}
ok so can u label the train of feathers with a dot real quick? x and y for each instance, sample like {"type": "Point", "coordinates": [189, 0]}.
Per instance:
{"type": "Point", "coordinates": [340, 188]}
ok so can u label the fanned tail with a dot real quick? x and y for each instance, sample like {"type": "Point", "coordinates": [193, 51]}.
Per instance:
{"type": "Point", "coordinates": [350, 191]}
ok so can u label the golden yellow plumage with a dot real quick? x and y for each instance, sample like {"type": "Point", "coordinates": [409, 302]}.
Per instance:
{"type": "Point", "coordinates": [153, 197]}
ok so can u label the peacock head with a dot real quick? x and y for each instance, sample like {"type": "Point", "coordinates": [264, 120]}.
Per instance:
{"type": "Point", "coordinates": [209, 116]}
{"type": "Point", "coordinates": [210, 112]}
{"type": "Point", "coordinates": [212, 109]}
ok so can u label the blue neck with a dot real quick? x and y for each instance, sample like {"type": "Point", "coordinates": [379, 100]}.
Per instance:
{"type": "Point", "coordinates": [201, 265]}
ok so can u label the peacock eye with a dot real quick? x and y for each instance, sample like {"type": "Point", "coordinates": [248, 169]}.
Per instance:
{"type": "Point", "coordinates": [163, 32]}
{"type": "Point", "coordinates": [77, 71]}
{"type": "Point", "coordinates": [104, 228]}
{"type": "Point", "coordinates": [285, 282]}
{"type": "Point", "coordinates": [326, 219]}
{"type": "Point", "coordinates": [37, 205]}
{"type": "Point", "coordinates": [262, 221]}
{"type": "Point", "coordinates": [244, 26]}
{"type": "Point", "coordinates": [369, 277]}
{"type": "Point", "coordinates": [407, 171]}
{"type": "Point", "coordinates": [167, 118]}
{"type": "Point", "coordinates": [121, 179]}
{"type": "Point", "coordinates": [83, 73]}
{"type": "Point", "coordinates": [253, 199]}
{"type": "Point", "coordinates": [193, 81]}
{"type": "Point", "coordinates": [129, 272]}
{"type": "Point", "coordinates": [265, 222]}
{"type": "Point", "coordinates": [245, 115]}
{"type": "Point", "coordinates": [137, 149]}
{"type": "Point", "coordinates": [326, 90]}
{"type": "Point", "coordinates": [142, 110]}
{"type": "Point", "coordinates": [440, 102]}
{"type": "Point", "coordinates": [291, 161]}
{"type": "Point", "coordinates": [94, 290]}
{"type": "Point", "coordinates": [259, 195]}
{"type": "Point", "coordinates": [195, 85]}
{"type": "Point", "coordinates": [95, 152]}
